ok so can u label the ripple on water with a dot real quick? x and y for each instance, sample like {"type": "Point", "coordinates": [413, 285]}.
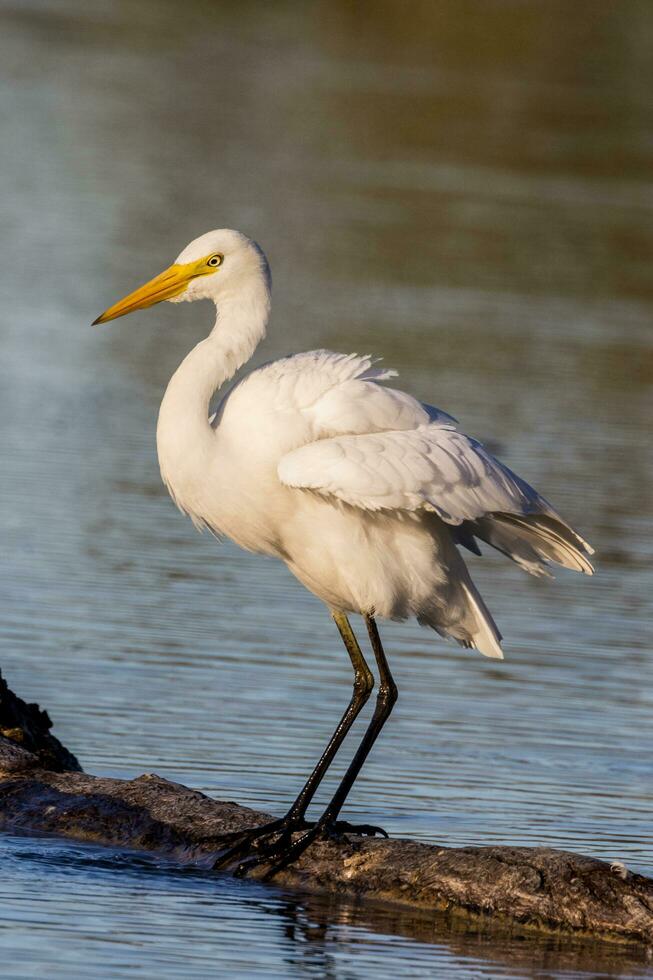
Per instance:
{"type": "Point", "coordinates": [120, 913]}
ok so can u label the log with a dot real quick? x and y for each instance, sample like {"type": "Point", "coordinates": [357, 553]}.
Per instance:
{"type": "Point", "coordinates": [43, 790]}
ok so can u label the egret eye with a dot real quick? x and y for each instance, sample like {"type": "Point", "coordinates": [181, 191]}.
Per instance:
{"type": "Point", "coordinates": [215, 260]}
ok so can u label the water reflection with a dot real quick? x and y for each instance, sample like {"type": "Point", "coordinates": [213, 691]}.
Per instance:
{"type": "Point", "coordinates": [466, 191]}
{"type": "Point", "coordinates": [120, 906]}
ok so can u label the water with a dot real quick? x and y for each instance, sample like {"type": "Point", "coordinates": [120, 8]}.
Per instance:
{"type": "Point", "coordinates": [466, 192]}
{"type": "Point", "coordinates": [123, 917]}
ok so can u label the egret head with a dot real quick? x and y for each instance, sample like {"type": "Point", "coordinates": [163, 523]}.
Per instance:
{"type": "Point", "coordinates": [216, 265]}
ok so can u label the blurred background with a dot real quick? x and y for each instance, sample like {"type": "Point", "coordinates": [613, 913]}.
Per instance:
{"type": "Point", "coordinates": [463, 187]}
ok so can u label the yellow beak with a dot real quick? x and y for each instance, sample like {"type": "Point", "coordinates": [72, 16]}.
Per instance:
{"type": "Point", "coordinates": [170, 283]}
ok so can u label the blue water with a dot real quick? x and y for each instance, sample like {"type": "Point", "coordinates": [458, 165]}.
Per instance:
{"type": "Point", "coordinates": [469, 197]}
{"type": "Point", "coordinates": [80, 911]}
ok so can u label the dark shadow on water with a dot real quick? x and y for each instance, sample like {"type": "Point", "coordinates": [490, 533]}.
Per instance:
{"type": "Point", "coordinates": [314, 925]}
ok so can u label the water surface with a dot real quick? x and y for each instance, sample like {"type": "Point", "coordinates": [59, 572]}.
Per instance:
{"type": "Point", "coordinates": [466, 192]}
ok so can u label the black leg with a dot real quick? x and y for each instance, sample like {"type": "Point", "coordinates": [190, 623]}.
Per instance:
{"type": "Point", "coordinates": [281, 830]}
{"type": "Point", "coordinates": [385, 701]}
{"type": "Point", "coordinates": [363, 684]}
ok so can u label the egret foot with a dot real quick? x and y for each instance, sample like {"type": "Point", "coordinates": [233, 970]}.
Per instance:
{"type": "Point", "coordinates": [254, 839]}
{"type": "Point", "coordinates": [340, 827]}
{"type": "Point", "coordinates": [277, 847]}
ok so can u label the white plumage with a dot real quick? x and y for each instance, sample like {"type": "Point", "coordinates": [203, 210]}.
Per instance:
{"type": "Point", "coordinates": [363, 491]}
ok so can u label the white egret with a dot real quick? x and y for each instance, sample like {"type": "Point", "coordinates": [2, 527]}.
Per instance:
{"type": "Point", "coordinates": [364, 492]}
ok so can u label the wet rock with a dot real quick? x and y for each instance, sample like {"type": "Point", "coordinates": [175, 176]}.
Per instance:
{"type": "Point", "coordinates": [29, 726]}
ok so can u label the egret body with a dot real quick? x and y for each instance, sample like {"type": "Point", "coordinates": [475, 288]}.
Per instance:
{"type": "Point", "coordinates": [366, 493]}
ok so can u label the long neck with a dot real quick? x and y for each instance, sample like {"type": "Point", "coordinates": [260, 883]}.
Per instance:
{"type": "Point", "coordinates": [184, 435]}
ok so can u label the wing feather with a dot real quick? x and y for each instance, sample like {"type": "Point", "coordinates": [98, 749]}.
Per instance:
{"type": "Point", "coordinates": [380, 449]}
{"type": "Point", "coordinates": [432, 467]}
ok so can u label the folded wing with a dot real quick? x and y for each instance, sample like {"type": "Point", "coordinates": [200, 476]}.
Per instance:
{"type": "Point", "coordinates": [434, 467]}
